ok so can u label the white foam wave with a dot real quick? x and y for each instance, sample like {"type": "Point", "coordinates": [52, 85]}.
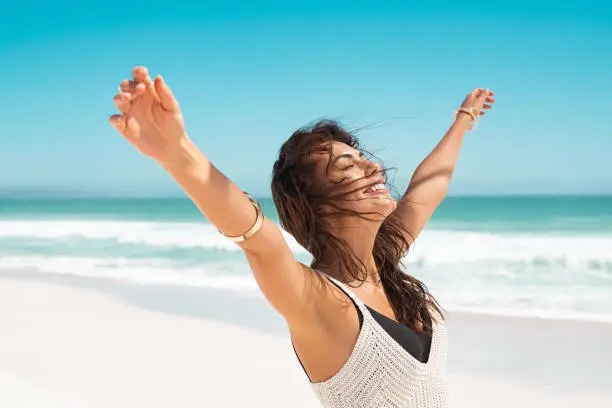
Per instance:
{"type": "Point", "coordinates": [186, 235]}
{"type": "Point", "coordinates": [432, 248]}
{"type": "Point", "coordinates": [439, 248]}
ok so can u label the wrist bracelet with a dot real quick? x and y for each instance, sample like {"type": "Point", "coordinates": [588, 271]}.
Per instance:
{"type": "Point", "coordinates": [473, 114]}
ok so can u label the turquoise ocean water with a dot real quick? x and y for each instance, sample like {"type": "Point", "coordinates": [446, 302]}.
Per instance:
{"type": "Point", "coordinates": [539, 256]}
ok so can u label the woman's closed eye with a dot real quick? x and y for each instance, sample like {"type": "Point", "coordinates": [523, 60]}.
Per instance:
{"type": "Point", "coordinates": [348, 160]}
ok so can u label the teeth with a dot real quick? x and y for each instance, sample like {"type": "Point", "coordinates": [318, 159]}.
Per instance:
{"type": "Point", "coordinates": [375, 187]}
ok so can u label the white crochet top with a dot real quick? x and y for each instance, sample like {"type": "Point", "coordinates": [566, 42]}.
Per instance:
{"type": "Point", "coordinates": [380, 373]}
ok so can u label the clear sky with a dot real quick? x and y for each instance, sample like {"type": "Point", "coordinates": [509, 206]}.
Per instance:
{"type": "Point", "coordinates": [248, 73]}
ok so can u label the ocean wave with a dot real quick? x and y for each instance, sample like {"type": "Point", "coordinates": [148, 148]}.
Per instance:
{"type": "Point", "coordinates": [176, 234]}
{"type": "Point", "coordinates": [467, 269]}
{"type": "Point", "coordinates": [187, 240]}
{"type": "Point", "coordinates": [437, 247]}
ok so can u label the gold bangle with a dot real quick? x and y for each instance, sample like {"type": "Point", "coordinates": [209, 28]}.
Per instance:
{"type": "Point", "coordinates": [256, 226]}
{"type": "Point", "coordinates": [469, 111]}
{"type": "Point", "coordinates": [472, 113]}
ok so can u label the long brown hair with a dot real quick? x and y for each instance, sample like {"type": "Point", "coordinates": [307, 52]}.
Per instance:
{"type": "Point", "coordinates": [299, 199]}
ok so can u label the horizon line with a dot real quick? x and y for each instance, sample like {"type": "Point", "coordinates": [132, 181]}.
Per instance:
{"type": "Point", "coordinates": [77, 195]}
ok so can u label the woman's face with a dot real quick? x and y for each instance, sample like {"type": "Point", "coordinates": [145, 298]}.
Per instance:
{"type": "Point", "coordinates": [353, 182]}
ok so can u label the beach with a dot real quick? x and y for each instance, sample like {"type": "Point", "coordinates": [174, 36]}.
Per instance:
{"type": "Point", "coordinates": [71, 342]}
{"type": "Point", "coordinates": [141, 303]}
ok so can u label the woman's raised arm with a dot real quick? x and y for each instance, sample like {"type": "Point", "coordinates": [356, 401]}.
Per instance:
{"type": "Point", "coordinates": [151, 121]}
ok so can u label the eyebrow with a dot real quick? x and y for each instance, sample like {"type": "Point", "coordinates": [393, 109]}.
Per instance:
{"type": "Point", "coordinates": [347, 156]}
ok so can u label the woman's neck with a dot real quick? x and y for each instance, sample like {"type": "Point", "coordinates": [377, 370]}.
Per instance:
{"type": "Point", "coordinates": [360, 239]}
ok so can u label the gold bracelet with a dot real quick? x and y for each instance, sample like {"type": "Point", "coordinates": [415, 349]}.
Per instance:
{"type": "Point", "coordinates": [469, 111]}
{"type": "Point", "coordinates": [256, 226]}
{"type": "Point", "coordinates": [472, 113]}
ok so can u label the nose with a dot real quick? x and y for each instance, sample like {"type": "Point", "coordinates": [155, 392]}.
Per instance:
{"type": "Point", "coordinates": [372, 168]}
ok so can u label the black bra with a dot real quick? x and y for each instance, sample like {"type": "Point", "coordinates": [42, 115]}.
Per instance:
{"type": "Point", "coordinates": [417, 344]}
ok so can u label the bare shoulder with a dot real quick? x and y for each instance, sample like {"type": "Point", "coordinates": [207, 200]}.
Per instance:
{"type": "Point", "coordinates": [326, 334]}
{"type": "Point", "coordinates": [326, 303]}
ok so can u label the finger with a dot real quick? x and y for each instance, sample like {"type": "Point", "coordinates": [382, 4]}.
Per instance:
{"type": "Point", "coordinates": [118, 122]}
{"type": "Point", "coordinates": [167, 99]}
{"type": "Point", "coordinates": [144, 84]}
{"type": "Point", "coordinates": [132, 88]}
{"type": "Point", "coordinates": [123, 101]}
{"type": "Point", "coordinates": [490, 100]}
{"type": "Point", "coordinates": [482, 113]}
{"type": "Point", "coordinates": [127, 86]}
{"type": "Point", "coordinates": [140, 73]}
{"type": "Point", "coordinates": [140, 89]}
{"type": "Point", "coordinates": [127, 126]}
{"type": "Point", "coordinates": [485, 106]}
{"type": "Point", "coordinates": [141, 76]}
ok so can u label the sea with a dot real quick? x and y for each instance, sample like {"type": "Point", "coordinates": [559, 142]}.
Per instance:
{"type": "Point", "coordinates": [543, 256]}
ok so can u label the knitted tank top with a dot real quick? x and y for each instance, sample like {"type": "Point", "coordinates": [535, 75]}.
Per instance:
{"type": "Point", "coordinates": [380, 373]}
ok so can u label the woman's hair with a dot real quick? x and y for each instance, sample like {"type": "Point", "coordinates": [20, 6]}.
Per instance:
{"type": "Point", "coordinates": [299, 200]}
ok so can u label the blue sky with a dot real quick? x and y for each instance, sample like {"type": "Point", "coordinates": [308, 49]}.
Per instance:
{"type": "Point", "coordinates": [249, 73]}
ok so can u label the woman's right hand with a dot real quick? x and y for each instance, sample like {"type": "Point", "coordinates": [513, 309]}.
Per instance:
{"type": "Point", "coordinates": [150, 117]}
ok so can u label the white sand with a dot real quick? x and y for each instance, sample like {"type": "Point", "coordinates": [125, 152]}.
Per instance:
{"type": "Point", "coordinates": [62, 346]}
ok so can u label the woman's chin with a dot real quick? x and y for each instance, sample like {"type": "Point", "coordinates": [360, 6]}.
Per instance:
{"type": "Point", "coordinates": [382, 204]}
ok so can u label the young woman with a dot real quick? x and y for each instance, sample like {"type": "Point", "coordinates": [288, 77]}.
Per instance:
{"type": "Point", "coordinates": [366, 333]}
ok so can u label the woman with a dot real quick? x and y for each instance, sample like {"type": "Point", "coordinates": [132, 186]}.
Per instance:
{"type": "Point", "coordinates": [366, 334]}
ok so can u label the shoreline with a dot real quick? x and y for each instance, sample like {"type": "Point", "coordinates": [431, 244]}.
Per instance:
{"type": "Point", "coordinates": [503, 313]}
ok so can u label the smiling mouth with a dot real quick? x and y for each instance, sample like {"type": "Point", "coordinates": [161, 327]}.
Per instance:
{"type": "Point", "coordinates": [378, 188]}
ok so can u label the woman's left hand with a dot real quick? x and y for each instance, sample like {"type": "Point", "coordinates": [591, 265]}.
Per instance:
{"type": "Point", "coordinates": [480, 100]}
